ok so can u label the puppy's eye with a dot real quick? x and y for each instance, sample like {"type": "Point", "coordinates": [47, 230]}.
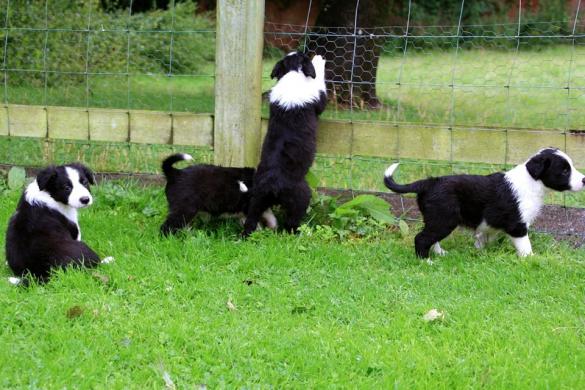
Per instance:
{"type": "Point", "coordinates": [68, 187]}
{"type": "Point", "coordinates": [566, 171]}
{"type": "Point", "coordinates": [83, 182]}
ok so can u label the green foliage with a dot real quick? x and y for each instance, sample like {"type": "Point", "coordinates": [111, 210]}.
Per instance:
{"type": "Point", "coordinates": [116, 43]}
{"type": "Point", "coordinates": [363, 216]}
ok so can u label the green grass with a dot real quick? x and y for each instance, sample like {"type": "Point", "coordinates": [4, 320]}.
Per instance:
{"type": "Point", "coordinates": [309, 313]}
{"type": "Point", "coordinates": [480, 98]}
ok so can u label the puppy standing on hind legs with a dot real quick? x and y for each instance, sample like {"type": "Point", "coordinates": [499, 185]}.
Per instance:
{"type": "Point", "coordinates": [296, 101]}
{"type": "Point", "coordinates": [508, 201]}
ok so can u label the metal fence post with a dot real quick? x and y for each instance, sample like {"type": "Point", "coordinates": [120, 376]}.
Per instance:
{"type": "Point", "coordinates": [238, 82]}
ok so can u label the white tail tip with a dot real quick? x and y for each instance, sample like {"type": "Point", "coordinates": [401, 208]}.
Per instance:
{"type": "Point", "coordinates": [390, 170]}
{"type": "Point", "coordinates": [14, 281]}
{"type": "Point", "coordinates": [243, 187]}
{"type": "Point", "coordinates": [187, 156]}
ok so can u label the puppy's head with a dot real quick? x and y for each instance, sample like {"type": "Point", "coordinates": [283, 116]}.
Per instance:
{"type": "Point", "coordinates": [556, 170]}
{"type": "Point", "coordinates": [294, 62]}
{"type": "Point", "coordinates": [67, 184]}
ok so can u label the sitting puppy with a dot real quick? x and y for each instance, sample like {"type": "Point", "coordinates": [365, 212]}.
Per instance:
{"type": "Point", "coordinates": [296, 101]}
{"type": "Point", "coordinates": [504, 201]}
{"type": "Point", "coordinates": [43, 233]}
{"type": "Point", "coordinates": [207, 188]}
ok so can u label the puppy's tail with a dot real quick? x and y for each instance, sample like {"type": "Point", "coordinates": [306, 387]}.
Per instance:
{"type": "Point", "coordinates": [167, 165]}
{"type": "Point", "coordinates": [416, 187]}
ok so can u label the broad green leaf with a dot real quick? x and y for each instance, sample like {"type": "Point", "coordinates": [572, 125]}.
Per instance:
{"type": "Point", "coordinates": [16, 178]}
{"type": "Point", "coordinates": [312, 180]}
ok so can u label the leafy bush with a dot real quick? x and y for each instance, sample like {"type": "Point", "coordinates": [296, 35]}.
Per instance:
{"type": "Point", "coordinates": [116, 43]}
{"type": "Point", "coordinates": [364, 216]}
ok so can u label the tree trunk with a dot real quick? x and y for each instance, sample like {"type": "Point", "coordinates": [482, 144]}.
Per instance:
{"type": "Point", "coordinates": [337, 45]}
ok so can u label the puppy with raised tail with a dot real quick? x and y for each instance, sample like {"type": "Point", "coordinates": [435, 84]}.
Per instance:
{"type": "Point", "coordinates": [296, 101]}
{"type": "Point", "coordinates": [44, 233]}
{"type": "Point", "coordinates": [206, 188]}
{"type": "Point", "coordinates": [508, 202]}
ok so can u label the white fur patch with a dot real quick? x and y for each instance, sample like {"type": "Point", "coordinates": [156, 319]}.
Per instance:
{"type": "Point", "coordinates": [294, 89]}
{"type": "Point", "coordinates": [34, 196]}
{"type": "Point", "coordinates": [79, 191]}
{"type": "Point", "coordinates": [522, 245]}
{"type": "Point", "coordinates": [436, 248]}
{"type": "Point", "coordinates": [107, 260]}
{"type": "Point", "coordinates": [528, 192]}
{"type": "Point", "coordinates": [14, 281]}
{"type": "Point", "coordinates": [270, 219]}
{"type": "Point", "coordinates": [576, 180]}
{"type": "Point", "coordinates": [243, 187]}
{"type": "Point", "coordinates": [186, 157]}
{"type": "Point", "coordinates": [390, 170]}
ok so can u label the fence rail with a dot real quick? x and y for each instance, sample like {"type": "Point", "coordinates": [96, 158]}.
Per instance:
{"type": "Point", "coordinates": [337, 138]}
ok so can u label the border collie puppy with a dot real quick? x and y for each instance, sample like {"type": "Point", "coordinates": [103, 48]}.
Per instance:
{"type": "Point", "coordinates": [44, 233]}
{"type": "Point", "coordinates": [508, 201]}
{"type": "Point", "coordinates": [206, 188]}
{"type": "Point", "coordinates": [296, 101]}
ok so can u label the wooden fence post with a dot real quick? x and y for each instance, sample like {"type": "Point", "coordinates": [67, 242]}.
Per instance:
{"type": "Point", "coordinates": [238, 82]}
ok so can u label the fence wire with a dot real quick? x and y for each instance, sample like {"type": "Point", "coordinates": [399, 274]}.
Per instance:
{"type": "Point", "coordinates": [517, 82]}
{"type": "Point", "coordinates": [523, 79]}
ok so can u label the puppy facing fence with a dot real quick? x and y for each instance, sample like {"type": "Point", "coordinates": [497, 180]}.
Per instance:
{"type": "Point", "coordinates": [296, 101]}
{"type": "Point", "coordinates": [206, 188]}
{"type": "Point", "coordinates": [44, 232]}
{"type": "Point", "coordinates": [508, 201]}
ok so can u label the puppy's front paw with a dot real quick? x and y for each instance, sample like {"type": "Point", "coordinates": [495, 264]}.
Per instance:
{"type": "Point", "coordinates": [319, 64]}
{"type": "Point", "coordinates": [107, 260]}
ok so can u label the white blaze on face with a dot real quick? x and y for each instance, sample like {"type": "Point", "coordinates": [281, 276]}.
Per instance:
{"type": "Point", "coordinates": [576, 180]}
{"type": "Point", "coordinates": [79, 196]}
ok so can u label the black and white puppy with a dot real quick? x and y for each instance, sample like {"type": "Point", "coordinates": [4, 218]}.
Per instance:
{"type": "Point", "coordinates": [508, 202]}
{"type": "Point", "coordinates": [296, 101]}
{"type": "Point", "coordinates": [44, 233]}
{"type": "Point", "coordinates": [206, 188]}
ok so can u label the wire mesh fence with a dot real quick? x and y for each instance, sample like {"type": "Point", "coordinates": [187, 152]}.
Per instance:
{"type": "Point", "coordinates": [474, 98]}
{"type": "Point", "coordinates": [454, 97]}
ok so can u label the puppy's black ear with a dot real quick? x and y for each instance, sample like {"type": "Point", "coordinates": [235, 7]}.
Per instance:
{"type": "Point", "coordinates": [45, 177]}
{"type": "Point", "coordinates": [88, 173]}
{"type": "Point", "coordinates": [537, 165]}
{"type": "Point", "coordinates": [279, 70]}
{"type": "Point", "coordinates": [308, 68]}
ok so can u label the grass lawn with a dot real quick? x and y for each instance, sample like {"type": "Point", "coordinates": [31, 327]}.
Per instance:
{"type": "Point", "coordinates": [305, 311]}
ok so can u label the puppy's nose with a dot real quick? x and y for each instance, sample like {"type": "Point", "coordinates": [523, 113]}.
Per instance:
{"type": "Point", "coordinates": [583, 181]}
{"type": "Point", "coordinates": [84, 199]}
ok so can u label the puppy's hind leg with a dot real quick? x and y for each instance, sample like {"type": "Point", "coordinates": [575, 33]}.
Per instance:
{"type": "Point", "coordinates": [430, 237]}
{"type": "Point", "coordinates": [77, 254]}
{"type": "Point", "coordinates": [295, 202]}
{"type": "Point", "coordinates": [176, 221]}
{"type": "Point", "coordinates": [259, 203]}
{"type": "Point", "coordinates": [438, 250]}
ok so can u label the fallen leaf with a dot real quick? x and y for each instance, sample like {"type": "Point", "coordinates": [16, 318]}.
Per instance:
{"type": "Point", "coordinates": [433, 315]}
{"type": "Point", "coordinates": [169, 384]}
{"type": "Point", "coordinates": [108, 260]}
{"type": "Point", "coordinates": [230, 305]}
{"type": "Point", "coordinates": [74, 312]}
{"type": "Point", "coordinates": [105, 279]}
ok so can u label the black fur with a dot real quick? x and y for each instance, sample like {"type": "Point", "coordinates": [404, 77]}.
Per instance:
{"type": "Point", "coordinates": [468, 200]}
{"type": "Point", "coordinates": [205, 188]}
{"type": "Point", "coordinates": [39, 238]}
{"type": "Point", "coordinates": [288, 152]}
